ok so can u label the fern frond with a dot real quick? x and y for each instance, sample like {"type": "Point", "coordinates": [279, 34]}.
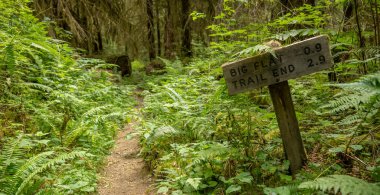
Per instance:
{"type": "Point", "coordinates": [38, 86]}
{"type": "Point", "coordinates": [369, 84]}
{"type": "Point", "coordinates": [214, 150]}
{"type": "Point", "coordinates": [363, 96]}
{"type": "Point", "coordinates": [164, 130]}
{"type": "Point", "coordinates": [95, 110]}
{"type": "Point", "coordinates": [73, 135]}
{"type": "Point", "coordinates": [254, 50]}
{"type": "Point", "coordinates": [51, 162]}
{"type": "Point", "coordinates": [370, 50]}
{"type": "Point", "coordinates": [352, 119]}
{"type": "Point", "coordinates": [29, 167]}
{"type": "Point", "coordinates": [10, 59]}
{"type": "Point", "coordinates": [112, 115]}
{"type": "Point", "coordinates": [295, 33]}
{"type": "Point", "coordinates": [9, 152]}
{"type": "Point", "coordinates": [68, 98]}
{"type": "Point", "coordinates": [176, 97]}
{"type": "Point", "coordinates": [345, 103]}
{"type": "Point", "coordinates": [342, 183]}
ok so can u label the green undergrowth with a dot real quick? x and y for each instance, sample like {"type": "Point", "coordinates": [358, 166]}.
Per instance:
{"type": "Point", "coordinates": [199, 140]}
{"type": "Point", "coordinates": [59, 113]}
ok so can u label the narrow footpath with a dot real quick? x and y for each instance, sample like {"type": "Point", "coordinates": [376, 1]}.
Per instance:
{"type": "Point", "coordinates": [125, 173]}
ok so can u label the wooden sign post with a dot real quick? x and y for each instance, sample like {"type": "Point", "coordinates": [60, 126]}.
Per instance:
{"type": "Point", "coordinates": [289, 62]}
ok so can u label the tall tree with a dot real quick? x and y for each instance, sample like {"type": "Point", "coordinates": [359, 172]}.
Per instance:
{"type": "Point", "coordinates": [84, 19]}
{"type": "Point", "coordinates": [158, 28]}
{"type": "Point", "coordinates": [360, 36]}
{"type": "Point", "coordinates": [169, 35]}
{"type": "Point", "coordinates": [186, 36]}
{"type": "Point", "coordinates": [348, 8]}
{"type": "Point", "coordinates": [149, 11]}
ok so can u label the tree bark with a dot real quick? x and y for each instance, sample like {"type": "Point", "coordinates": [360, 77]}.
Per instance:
{"type": "Point", "coordinates": [348, 9]}
{"type": "Point", "coordinates": [158, 29]}
{"type": "Point", "coordinates": [376, 21]}
{"type": "Point", "coordinates": [186, 37]}
{"type": "Point", "coordinates": [169, 31]}
{"type": "Point", "coordinates": [211, 13]}
{"type": "Point", "coordinates": [360, 36]}
{"type": "Point", "coordinates": [149, 11]}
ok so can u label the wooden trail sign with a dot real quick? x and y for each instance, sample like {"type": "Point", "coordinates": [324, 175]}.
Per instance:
{"type": "Point", "coordinates": [292, 61]}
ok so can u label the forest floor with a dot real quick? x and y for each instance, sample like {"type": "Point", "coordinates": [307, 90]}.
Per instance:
{"type": "Point", "coordinates": [125, 173]}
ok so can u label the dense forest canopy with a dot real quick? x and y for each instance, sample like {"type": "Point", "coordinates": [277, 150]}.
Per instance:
{"type": "Point", "coordinates": [63, 100]}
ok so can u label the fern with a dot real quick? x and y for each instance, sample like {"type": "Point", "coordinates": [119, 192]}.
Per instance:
{"type": "Point", "coordinates": [29, 167]}
{"type": "Point", "coordinates": [9, 153]}
{"type": "Point", "coordinates": [74, 135]}
{"type": "Point", "coordinates": [10, 59]}
{"type": "Point", "coordinates": [282, 190]}
{"type": "Point", "coordinates": [363, 96]}
{"type": "Point", "coordinates": [295, 33]}
{"type": "Point", "coordinates": [254, 50]}
{"type": "Point", "coordinates": [95, 110]}
{"type": "Point", "coordinates": [38, 86]}
{"type": "Point", "coordinates": [47, 101]}
{"type": "Point", "coordinates": [112, 115]}
{"type": "Point", "coordinates": [38, 169]}
{"type": "Point", "coordinates": [342, 183]}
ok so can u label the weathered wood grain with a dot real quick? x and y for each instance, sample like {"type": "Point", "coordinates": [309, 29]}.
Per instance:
{"type": "Point", "coordinates": [290, 62]}
{"type": "Point", "coordinates": [288, 125]}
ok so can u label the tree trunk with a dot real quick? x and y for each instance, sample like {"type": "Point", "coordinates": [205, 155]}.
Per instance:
{"type": "Point", "coordinates": [376, 21]}
{"type": "Point", "coordinates": [348, 9]}
{"type": "Point", "coordinates": [360, 37]}
{"type": "Point", "coordinates": [149, 11]}
{"type": "Point", "coordinates": [169, 31]}
{"type": "Point", "coordinates": [100, 41]}
{"type": "Point", "coordinates": [291, 4]}
{"type": "Point", "coordinates": [159, 52]}
{"type": "Point", "coordinates": [186, 36]}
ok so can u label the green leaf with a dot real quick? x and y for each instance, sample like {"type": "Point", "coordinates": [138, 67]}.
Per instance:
{"type": "Point", "coordinates": [244, 177]}
{"type": "Point", "coordinates": [177, 192]}
{"type": "Point", "coordinates": [357, 147]}
{"type": "Point", "coordinates": [163, 190]}
{"type": "Point", "coordinates": [233, 188]}
{"type": "Point", "coordinates": [282, 190]}
{"type": "Point", "coordinates": [194, 182]}
{"type": "Point", "coordinates": [286, 178]}
{"type": "Point", "coordinates": [212, 183]}
{"type": "Point", "coordinates": [39, 47]}
{"type": "Point", "coordinates": [336, 150]}
{"type": "Point", "coordinates": [10, 59]}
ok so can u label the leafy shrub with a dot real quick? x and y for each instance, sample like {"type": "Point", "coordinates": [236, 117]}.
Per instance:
{"type": "Point", "coordinates": [58, 115]}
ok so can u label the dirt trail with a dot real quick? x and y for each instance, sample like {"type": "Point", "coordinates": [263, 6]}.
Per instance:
{"type": "Point", "coordinates": [125, 173]}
